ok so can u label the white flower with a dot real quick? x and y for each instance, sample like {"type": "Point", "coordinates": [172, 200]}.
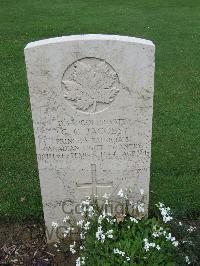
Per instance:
{"type": "Point", "coordinates": [117, 251]}
{"type": "Point", "coordinates": [100, 219]}
{"type": "Point", "coordinates": [127, 258]}
{"type": "Point", "coordinates": [191, 229]}
{"type": "Point", "coordinates": [165, 212]}
{"type": "Point", "coordinates": [85, 202]}
{"type": "Point", "coordinates": [65, 219]}
{"type": "Point", "coordinates": [78, 262]}
{"type": "Point", "coordinates": [82, 235]}
{"type": "Point", "coordinates": [187, 260]}
{"type": "Point", "coordinates": [158, 247]}
{"type": "Point", "coordinates": [86, 227]}
{"type": "Point", "coordinates": [90, 211]}
{"type": "Point", "coordinates": [153, 245]}
{"type": "Point", "coordinates": [133, 220]}
{"type": "Point", "coordinates": [159, 232]}
{"type": "Point", "coordinates": [147, 245]}
{"type": "Point", "coordinates": [120, 193]}
{"type": "Point", "coordinates": [103, 238]}
{"type": "Point", "coordinates": [54, 224]}
{"type": "Point", "coordinates": [100, 234]}
{"type": "Point", "coordinates": [169, 236]}
{"type": "Point", "coordinates": [175, 243]}
{"type": "Point", "coordinates": [83, 260]}
{"type": "Point", "coordinates": [140, 207]}
{"type": "Point", "coordinates": [109, 233]}
{"type": "Point", "coordinates": [73, 251]}
{"type": "Point", "coordinates": [66, 232]}
{"type": "Point", "coordinates": [180, 224]}
{"type": "Point", "coordinates": [172, 239]}
{"type": "Point", "coordinates": [80, 223]}
{"type": "Point", "coordinates": [86, 208]}
{"type": "Point", "coordinates": [155, 234]}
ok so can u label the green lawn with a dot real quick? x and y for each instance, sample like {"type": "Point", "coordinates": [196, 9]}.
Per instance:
{"type": "Point", "coordinates": [174, 27]}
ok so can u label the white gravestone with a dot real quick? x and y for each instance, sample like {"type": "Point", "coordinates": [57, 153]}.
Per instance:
{"type": "Point", "coordinates": [92, 105]}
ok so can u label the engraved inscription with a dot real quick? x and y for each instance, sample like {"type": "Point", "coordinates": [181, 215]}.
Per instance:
{"type": "Point", "coordinates": [90, 85]}
{"type": "Point", "coordinates": [89, 139]}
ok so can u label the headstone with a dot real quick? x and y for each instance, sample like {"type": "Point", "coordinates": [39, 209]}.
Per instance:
{"type": "Point", "coordinates": [92, 103]}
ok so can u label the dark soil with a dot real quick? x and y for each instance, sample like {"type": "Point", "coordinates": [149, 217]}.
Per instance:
{"type": "Point", "coordinates": [25, 244]}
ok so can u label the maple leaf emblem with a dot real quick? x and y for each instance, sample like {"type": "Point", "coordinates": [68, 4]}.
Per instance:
{"type": "Point", "coordinates": [90, 83]}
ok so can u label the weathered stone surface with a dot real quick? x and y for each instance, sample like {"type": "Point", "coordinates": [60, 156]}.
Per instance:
{"type": "Point", "coordinates": [92, 103]}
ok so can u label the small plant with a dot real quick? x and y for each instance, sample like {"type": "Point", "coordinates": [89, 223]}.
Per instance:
{"type": "Point", "coordinates": [128, 237]}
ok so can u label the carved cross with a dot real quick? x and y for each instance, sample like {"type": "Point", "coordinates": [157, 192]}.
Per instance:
{"type": "Point", "coordinates": [94, 185]}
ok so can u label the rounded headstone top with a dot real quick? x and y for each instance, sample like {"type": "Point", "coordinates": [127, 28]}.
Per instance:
{"type": "Point", "coordinates": [89, 37]}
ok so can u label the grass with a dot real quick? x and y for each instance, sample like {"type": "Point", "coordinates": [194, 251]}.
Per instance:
{"type": "Point", "coordinates": [174, 27]}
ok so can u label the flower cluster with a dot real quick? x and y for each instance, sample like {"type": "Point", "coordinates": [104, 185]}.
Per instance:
{"type": "Point", "coordinates": [191, 229]}
{"type": "Point", "coordinates": [86, 208]}
{"type": "Point", "coordinates": [72, 248]}
{"type": "Point", "coordinates": [140, 207]}
{"type": "Point", "coordinates": [158, 232]}
{"type": "Point", "coordinates": [172, 239]}
{"type": "Point", "coordinates": [133, 220]}
{"type": "Point", "coordinates": [80, 223]}
{"type": "Point", "coordinates": [148, 245]}
{"type": "Point", "coordinates": [165, 212]}
{"type": "Point", "coordinates": [107, 216]}
{"type": "Point", "coordinates": [101, 235]}
{"type": "Point", "coordinates": [121, 253]}
{"type": "Point", "coordinates": [86, 226]}
{"type": "Point", "coordinates": [100, 226]}
{"type": "Point", "coordinates": [67, 231]}
{"type": "Point", "coordinates": [187, 260]}
{"type": "Point", "coordinates": [109, 233]}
